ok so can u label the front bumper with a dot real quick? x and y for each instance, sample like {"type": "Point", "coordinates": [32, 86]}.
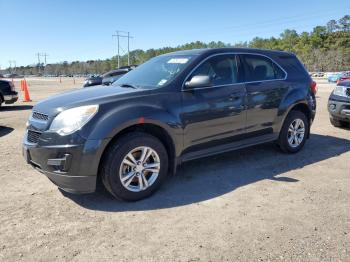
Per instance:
{"type": "Point", "coordinates": [72, 167]}
{"type": "Point", "coordinates": [10, 99]}
{"type": "Point", "coordinates": [339, 108]}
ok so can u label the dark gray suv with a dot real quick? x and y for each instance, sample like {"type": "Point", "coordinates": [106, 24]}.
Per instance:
{"type": "Point", "coordinates": [339, 105]}
{"type": "Point", "coordinates": [173, 108]}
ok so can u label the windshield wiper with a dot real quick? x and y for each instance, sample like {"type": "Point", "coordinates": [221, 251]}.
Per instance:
{"type": "Point", "coordinates": [128, 86]}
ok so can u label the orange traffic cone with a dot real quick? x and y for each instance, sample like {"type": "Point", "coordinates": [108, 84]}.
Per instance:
{"type": "Point", "coordinates": [26, 92]}
{"type": "Point", "coordinates": [22, 88]}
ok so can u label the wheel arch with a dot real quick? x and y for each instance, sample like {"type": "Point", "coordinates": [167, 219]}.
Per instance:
{"type": "Point", "coordinates": [303, 107]}
{"type": "Point", "coordinates": [149, 128]}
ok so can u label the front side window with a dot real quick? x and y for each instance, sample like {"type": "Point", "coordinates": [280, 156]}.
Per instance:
{"type": "Point", "coordinates": [221, 69]}
{"type": "Point", "coordinates": [260, 68]}
{"type": "Point", "coordinates": [156, 72]}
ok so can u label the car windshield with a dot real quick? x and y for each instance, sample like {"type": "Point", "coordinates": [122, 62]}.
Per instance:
{"type": "Point", "coordinates": [156, 72]}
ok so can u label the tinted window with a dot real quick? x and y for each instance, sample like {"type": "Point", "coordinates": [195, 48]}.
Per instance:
{"type": "Point", "coordinates": [293, 66]}
{"type": "Point", "coordinates": [259, 68]}
{"type": "Point", "coordinates": [222, 69]}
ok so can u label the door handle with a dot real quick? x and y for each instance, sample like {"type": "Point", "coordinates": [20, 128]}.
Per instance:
{"type": "Point", "coordinates": [235, 97]}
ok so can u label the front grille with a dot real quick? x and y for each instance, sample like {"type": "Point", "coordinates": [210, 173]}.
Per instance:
{"type": "Point", "coordinates": [33, 136]}
{"type": "Point", "coordinates": [40, 116]}
{"type": "Point", "coordinates": [348, 91]}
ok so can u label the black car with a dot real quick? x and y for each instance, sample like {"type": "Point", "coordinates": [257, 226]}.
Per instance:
{"type": "Point", "coordinates": [8, 93]}
{"type": "Point", "coordinates": [112, 76]}
{"type": "Point", "coordinates": [93, 81]}
{"type": "Point", "coordinates": [174, 108]}
{"type": "Point", "coordinates": [339, 105]}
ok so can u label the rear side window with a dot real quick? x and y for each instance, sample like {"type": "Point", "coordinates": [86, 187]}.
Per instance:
{"type": "Point", "coordinates": [293, 66]}
{"type": "Point", "coordinates": [260, 68]}
{"type": "Point", "coordinates": [222, 70]}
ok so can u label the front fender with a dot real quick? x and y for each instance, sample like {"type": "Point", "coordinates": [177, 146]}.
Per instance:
{"type": "Point", "coordinates": [111, 121]}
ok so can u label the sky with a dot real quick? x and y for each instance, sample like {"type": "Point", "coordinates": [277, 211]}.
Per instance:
{"type": "Point", "coordinates": [70, 30]}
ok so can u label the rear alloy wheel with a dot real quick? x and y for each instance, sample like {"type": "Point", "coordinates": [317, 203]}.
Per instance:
{"type": "Point", "coordinates": [294, 132]}
{"type": "Point", "coordinates": [134, 166]}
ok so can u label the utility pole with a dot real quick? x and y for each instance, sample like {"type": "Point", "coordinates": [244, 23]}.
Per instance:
{"type": "Point", "coordinates": [12, 62]}
{"type": "Point", "coordinates": [128, 49]}
{"type": "Point", "coordinates": [120, 34]}
{"type": "Point", "coordinates": [38, 54]}
{"type": "Point", "coordinates": [45, 55]}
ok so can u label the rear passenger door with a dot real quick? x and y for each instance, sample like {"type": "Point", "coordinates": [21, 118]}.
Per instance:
{"type": "Point", "coordinates": [265, 90]}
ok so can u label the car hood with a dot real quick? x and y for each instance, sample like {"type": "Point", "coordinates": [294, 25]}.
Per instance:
{"type": "Point", "coordinates": [86, 96]}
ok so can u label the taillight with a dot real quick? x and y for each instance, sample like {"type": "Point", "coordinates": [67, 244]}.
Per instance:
{"type": "Point", "coordinates": [313, 87]}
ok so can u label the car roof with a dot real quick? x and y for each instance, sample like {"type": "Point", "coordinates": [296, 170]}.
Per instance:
{"type": "Point", "coordinates": [210, 51]}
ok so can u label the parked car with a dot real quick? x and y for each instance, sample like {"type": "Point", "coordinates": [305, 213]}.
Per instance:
{"type": "Point", "coordinates": [8, 92]}
{"type": "Point", "coordinates": [93, 81]}
{"type": "Point", "coordinates": [335, 77]}
{"type": "Point", "coordinates": [344, 77]}
{"type": "Point", "coordinates": [174, 108]}
{"type": "Point", "coordinates": [339, 105]}
{"type": "Point", "coordinates": [111, 76]}
{"type": "Point", "coordinates": [318, 74]}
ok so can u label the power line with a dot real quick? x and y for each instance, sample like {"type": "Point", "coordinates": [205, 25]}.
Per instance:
{"type": "Point", "coordinates": [283, 21]}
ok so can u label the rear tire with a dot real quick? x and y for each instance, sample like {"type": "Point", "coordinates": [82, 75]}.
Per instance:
{"type": "Point", "coordinates": [294, 132]}
{"type": "Point", "coordinates": [126, 171]}
{"type": "Point", "coordinates": [338, 123]}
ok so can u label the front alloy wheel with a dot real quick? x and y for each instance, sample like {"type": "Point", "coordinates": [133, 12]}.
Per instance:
{"type": "Point", "coordinates": [139, 169]}
{"type": "Point", "coordinates": [134, 166]}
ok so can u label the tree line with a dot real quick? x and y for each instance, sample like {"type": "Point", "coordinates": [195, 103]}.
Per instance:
{"type": "Point", "coordinates": [325, 48]}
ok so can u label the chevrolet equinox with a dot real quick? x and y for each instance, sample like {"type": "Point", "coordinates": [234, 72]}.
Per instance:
{"type": "Point", "coordinates": [173, 108]}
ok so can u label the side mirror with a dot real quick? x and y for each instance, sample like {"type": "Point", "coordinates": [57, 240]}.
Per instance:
{"type": "Point", "coordinates": [198, 81]}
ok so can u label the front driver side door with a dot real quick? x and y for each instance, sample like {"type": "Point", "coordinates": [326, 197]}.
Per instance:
{"type": "Point", "coordinates": [214, 115]}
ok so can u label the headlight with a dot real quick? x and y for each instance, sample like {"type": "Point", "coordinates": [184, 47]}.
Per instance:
{"type": "Point", "coordinates": [71, 120]}
{"type": "Point", "coordinates": [340, 91]}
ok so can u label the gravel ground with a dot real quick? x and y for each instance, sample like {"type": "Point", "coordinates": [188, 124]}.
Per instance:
{"type": "Point", "coordinates": [255, 204]}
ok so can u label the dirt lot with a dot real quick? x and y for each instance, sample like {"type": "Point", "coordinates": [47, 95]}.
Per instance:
{"type": "Point", "coordinates": [255, 204]}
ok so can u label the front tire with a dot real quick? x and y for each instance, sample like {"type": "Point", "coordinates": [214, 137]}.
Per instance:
{"type": "Point", "coordinates": [134, 166]}
{"type": "Point", "coordinates": [294, 132]}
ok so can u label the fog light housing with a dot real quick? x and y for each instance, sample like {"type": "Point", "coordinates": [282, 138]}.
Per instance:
{"type": "Point", "coordinates": [332, 107]}
{"type": "Point", "coordinates": [62, 164]}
